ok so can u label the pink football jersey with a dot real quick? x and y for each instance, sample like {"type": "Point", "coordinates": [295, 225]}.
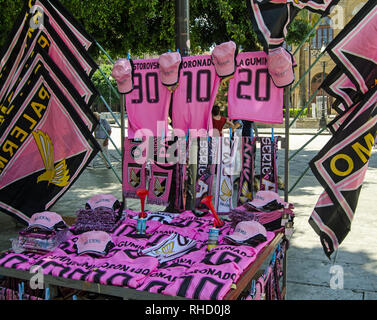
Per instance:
{"type": "Point", "coordinates": [148, 103]}
{"type": "Point", "coordinates": [252, 95]}
{"type": "Point", "coordinates": [195, 95]}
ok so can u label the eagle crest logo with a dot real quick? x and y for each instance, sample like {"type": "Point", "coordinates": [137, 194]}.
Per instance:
{"type": "Point", "coordinates": [56, 174]}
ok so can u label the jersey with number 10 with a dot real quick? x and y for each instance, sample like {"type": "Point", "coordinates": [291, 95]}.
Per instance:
{"type": "Point", "coordinates": [252, 94]}
{"type": "Point", "coordinates": [195, 95]}
{"type": "Point", "coordinates": [148, 103]}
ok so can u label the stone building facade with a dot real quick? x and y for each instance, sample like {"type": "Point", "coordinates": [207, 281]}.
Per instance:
{"type": "Point", "coordinates": [327, 30]}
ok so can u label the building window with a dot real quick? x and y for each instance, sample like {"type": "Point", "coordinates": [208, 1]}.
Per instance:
{"type": "Point", "coordinates": [324, 34]}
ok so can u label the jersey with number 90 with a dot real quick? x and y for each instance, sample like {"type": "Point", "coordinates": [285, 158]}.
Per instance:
{"type": "Point", "coordinates": [148, 103]}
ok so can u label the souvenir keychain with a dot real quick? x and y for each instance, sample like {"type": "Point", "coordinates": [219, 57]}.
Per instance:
{"type": "Point", "coordinates": [213, 236]}
{"type": "Point", "coordinates": [141, 220]}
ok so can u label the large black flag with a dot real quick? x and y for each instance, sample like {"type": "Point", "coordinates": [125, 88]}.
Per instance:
{"type": "Point", "coordinates": [340, 168]}
{"type": "Point", "coordinates": [44, 148]}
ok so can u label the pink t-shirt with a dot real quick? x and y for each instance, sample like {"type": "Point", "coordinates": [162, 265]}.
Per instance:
{"type": "Point", "coordinates": [72, 266]}
{"type": "Point", "coordinates": [19, 261]}
{"type": "Point", "coordinates": [195, 95]}
{"type": "Point", "coordinates": [205, 282]}
{"type": "Point", "coordinates": [148, 103]}
{"type": "Point", "coordinates": [252, 94]}
{"type": "Point", "coordinates": [121, 270]}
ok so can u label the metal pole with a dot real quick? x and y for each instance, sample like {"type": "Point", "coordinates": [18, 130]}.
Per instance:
{"type": "Point", "coordinates": [122, 136]}
{"type": "Point", "coordinates": [182, 29]}
{"type": "Point", "coordinates": [287, 94]}
{"type": "Point", "coordinates": [182, 43]}
{"type": "Point", "coordinates": [322, 121]}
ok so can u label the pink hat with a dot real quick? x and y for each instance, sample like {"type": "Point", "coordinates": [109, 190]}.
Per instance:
{"type": "Point", "coordinates": [280, 67]}
{"type": "Point", "coordinates": [122, 73]}
{"type": "Point", "coordinates": [97, 242]}
{"type": "Point", "coordinates": [224, 58]}
{"type": "Point", "coordinates": [46, 220]}
{"type": "Point", "coordinates": [102, 200]}
{"type": "Point", "coordinates": [263, 198]}
{"type": "Point", "coordinates": [246, 231]}
{"type": "Point", "coordinates": [169, 67]}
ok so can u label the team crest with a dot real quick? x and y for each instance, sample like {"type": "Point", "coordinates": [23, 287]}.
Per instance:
{"type": "Point", "coordinates": [56, 174]}
{"type": "Point", "coordinates": [134, 177]}
{"type": "Point", "coordinates": [159, 186]}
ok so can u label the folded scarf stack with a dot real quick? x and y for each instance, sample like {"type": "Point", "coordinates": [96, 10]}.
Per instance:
{"type": "Point", "coordinates": [99, 219]}
{"type": "Point", "coordinates": [271, 220]}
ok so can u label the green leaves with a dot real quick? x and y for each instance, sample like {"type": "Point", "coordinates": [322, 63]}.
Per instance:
{"type": "Point", "coordinates": [148, 26]}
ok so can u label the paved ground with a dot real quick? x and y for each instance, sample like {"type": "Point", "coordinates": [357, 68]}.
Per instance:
{"type": "Point", "coordinates": [309, 269]}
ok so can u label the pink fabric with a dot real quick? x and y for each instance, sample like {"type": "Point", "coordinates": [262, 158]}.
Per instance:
{"type": "Point", "coordinates": [164, 231]}
{"type": "Point", "coordinates": [60, 264]}
{"type": "Point", "coordinates": [149, 97]}
{"type": "Point", "coordinates": [205, 282]}
{"type": "Point", "coordinates": [121, 270]}
{"type": "Point", "coordinates": [128, 227]}
{"type": "Point", "coordinates": [189, 219]}
{"type": "Point", "coordinates": [248, 95]}
{"type": "Point", "coordinates": [243, 256]}
{"type": "Point", "coordinates": [159, 279]}
{"type": "Point", "coordinates": [195, 95]}
{"type": "Point", "coordinates": [19, 261]}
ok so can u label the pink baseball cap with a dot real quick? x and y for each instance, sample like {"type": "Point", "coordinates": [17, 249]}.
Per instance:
{"type": "Point", "coordinates": [247, 231]}
{"type": "Point", "coordinates": [280, 67]}
{"type": "Point", "coordinates": [224, 58]}
{"type": "Point", "coordinates": [94, 242]}
{"type": "Point", "coordinates": [122, 73]}
{"type": "Point", "coordinates": [265, 197]}
{"type": "Point", "coordinates": [170, 63]}
{"type": "Point", "coordinates": [46, 220]}
{"type": "Point", "coordinates": [102, 200]}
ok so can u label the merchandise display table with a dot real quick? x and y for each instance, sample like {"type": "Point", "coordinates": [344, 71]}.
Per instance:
{"type": "Point", "coordinates": [243, 283]}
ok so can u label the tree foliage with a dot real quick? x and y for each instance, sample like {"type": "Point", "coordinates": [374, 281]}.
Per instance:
{"type": "Point", "coordinates": [148, 26]}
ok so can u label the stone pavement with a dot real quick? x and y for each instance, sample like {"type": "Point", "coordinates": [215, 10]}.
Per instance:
{"type": "Point", "coordinates": [309, 269]}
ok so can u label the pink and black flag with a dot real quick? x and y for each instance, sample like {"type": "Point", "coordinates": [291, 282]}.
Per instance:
{"type": "Point", "coordinates": [340, 168]}
{"type": "Point", "coordinates": [47, 39]}
{"type": "Point", "coordinates": [63, 20]}
{"type": "Point", "coordinates": [41, 57]}
{"type": "Point", "coordinates": [339, 85]}
{"type": "Point", "coordinates": [271, 18]}
{"type": "Point", "coordinates": [354, 49]}
{"type": "Point", "coordinates": [43, 149]}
